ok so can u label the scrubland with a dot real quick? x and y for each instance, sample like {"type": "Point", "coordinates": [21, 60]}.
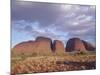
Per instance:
{"type": "Point", "coordinates": [52, 63]}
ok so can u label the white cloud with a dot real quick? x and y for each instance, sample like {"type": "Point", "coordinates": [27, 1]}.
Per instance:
{"type": "Point", "coordinates": [75, 23]}
{"type": "Point", "coordinates": [66, 7]}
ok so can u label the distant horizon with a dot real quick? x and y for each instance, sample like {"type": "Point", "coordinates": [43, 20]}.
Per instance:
{"type": "Point", "coordinates": [56, 21]}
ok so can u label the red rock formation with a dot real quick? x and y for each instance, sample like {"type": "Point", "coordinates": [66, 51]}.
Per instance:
{"type": "Point", "coordinates": [25, 47]}
{"type": "Point", "coordinates": [75, 44]}
{"type": "Point", "coordinates": [40, 46]}
{"type": "Point", "coordinates": [43, 45]}
{"type": "Point", "coordinates": [88, 46]}
{"type": "Point", "coordinates": [58, 47]}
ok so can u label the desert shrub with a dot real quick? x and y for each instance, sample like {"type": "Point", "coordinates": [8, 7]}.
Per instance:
{"type": "Point", "coordinates": [34, 54]}
{"type": "Point", "coordinates": [81, 53]}
{"type": "Point", "coordinates": [23, 56]}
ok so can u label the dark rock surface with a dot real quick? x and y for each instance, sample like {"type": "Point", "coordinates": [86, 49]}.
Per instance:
{"type": "Point", "coordinates": [75, 44]}
{"type": "Point", "coordinates": [88, 46]}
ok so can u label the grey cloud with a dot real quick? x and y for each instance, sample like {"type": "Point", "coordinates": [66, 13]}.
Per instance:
{"type": "Point", "coordinates": [54, 19]}
{"type": "Point", "coordinates": [43, 12]}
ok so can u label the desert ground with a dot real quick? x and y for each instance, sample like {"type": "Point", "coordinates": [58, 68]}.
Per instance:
{"type": "Point", "coordinates": [70, 61]}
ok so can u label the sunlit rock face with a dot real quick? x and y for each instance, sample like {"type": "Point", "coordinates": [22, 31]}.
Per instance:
{"type": "Point", "coordinates": [25, 47]}
{"type": "Point", "coordinates": [41, 46]}
{"type": "Point", "coordinates": [58, 46]}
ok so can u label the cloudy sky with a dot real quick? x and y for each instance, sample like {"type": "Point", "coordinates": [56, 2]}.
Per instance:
{"type": "Point", "coordinates": [57, 21]}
